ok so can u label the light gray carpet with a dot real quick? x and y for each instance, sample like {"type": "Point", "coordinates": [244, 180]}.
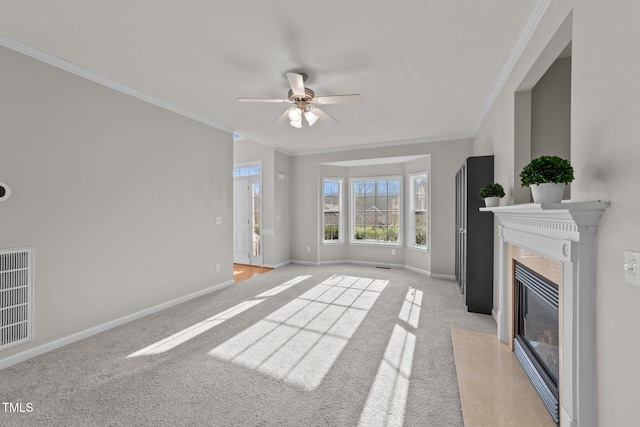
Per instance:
{"type": "Point", "coordinates": [93, 383]}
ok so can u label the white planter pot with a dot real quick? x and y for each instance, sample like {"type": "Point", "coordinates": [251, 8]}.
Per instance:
{"type": "Point", "coordinates": [491, 202]}
{"type": "Point", "coordinates": [549, 192]}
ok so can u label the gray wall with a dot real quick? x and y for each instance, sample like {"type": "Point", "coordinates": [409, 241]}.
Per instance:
{"type": "Point", "coordinates": [542, 121]}
{"type": "Point", "coordinates": [306, 172]}
{"type": "Point", "coordinates": [118, 198]}
{"type": "Point", "coordinates": [551, 112]}
{"type": "Point", "coordinates": [282, 209]}
{"type": "Point", "coordinates": [604, 144]}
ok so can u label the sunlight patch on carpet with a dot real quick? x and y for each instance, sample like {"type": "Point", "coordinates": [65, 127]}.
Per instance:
{"type": "Point", "coordinates": [387, 398]}
{"type": "Point", "coordinates": [194, 330]}
{"type": "Point", "coordinates": [283, 287]}
{"type": "Point", "coordinates": [410, 311]}
{"type": "Point", "coordinates": [300, 342]}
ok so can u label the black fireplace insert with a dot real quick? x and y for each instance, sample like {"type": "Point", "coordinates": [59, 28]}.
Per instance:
{"type": "Point", "coordinates": [536, 342]}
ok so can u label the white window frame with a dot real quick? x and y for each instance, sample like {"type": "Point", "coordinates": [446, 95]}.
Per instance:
{"type": "Point", "coordinates": [340, 239]}
{"type": "Point", "coordinates": [411, 231]}
{"type": "Point", "coordinates": [352, 225]}
{"type": "Point", "coordinates": [244, 169]}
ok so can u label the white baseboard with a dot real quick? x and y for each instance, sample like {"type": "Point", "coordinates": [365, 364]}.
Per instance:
{"type": "Point", "coordinates": [367, 263]}
{"type": "Point", "coordinates": [44, 348]}
{"type": "Point", "coordinates": [297, 261]}
{"type": "Point", "coordinates": [377, 264]}
{"type": "Point", "coordinates": [443, 277]}
{"type": "Point", "coordinates": [282, 264]}
{"type": "Point", "coordinates": [495, 316]}
{"type": "Point", "coordinates": [417, 270]}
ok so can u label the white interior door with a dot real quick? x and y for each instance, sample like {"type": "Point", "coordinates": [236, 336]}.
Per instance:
{"type": "Point", "coordinates": [247, 220]}
{"type": "Point", "coordinates": [255, 210]}
{"type": "Point", "coordinates": [241, 221]}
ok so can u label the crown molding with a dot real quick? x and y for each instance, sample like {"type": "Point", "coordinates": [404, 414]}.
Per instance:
{"type": "Point", "coordinates": [381, 145]}
{"type": "Point", "coordinates": [89, 75]}
{"type": "Point", "coordinates": [532, 23]}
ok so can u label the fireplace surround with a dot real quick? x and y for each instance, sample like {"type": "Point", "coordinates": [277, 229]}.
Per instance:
{"type": "Point", "coordinates": [564, 233]}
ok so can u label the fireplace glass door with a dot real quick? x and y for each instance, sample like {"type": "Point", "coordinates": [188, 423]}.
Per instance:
{"type": "Point", "coordinates": [537, 333]}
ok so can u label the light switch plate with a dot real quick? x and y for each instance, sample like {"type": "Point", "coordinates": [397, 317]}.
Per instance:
{"type": "Point", "coordinates": [218, 220]}
{"type": "Point", "coordinates": [632, 267]}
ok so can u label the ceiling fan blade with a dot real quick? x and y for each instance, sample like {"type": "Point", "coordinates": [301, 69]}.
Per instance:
{"type": "Point", "coordinates": [337, 99]}
{"type": "Point", "coordinates": [323, 116]}
{"type": "Point", "coordinates": [273, 100]}
{"type": "Point", "coordinates": [297, 84]}
{"type": "Point", "coordinates": [283, 117]}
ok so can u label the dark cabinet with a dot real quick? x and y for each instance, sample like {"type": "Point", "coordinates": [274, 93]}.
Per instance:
{"type": "Point", "coordinates": [474, 235]}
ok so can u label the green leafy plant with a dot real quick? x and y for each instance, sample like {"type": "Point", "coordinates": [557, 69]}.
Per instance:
{"type": "Point", "coordinates": [491, 190]}
{"type": "Point", "coordinates": [377, 233]}
{"type": "Point", "coordinates": [547, 169]}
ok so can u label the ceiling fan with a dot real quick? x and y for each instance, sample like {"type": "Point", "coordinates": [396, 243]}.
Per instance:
{"type": "Point", "coordinates": [305, 102]}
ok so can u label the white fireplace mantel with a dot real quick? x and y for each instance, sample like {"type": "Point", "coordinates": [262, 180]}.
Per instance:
{"type": "Point", "coordinates": [566, 233]}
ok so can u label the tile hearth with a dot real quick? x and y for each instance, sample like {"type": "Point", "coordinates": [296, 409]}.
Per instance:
{"type": "Point", "coordinates": [494, 389]}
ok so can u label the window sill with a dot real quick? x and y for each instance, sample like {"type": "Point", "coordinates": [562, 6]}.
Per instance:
{"type": "Point", "coordinates": [419, 248]}
{"type": "Point", "coordinates": [375, 244]}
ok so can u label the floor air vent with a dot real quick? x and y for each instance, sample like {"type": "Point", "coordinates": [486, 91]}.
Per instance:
{"type": "Point", "coordinates": [15, 296]}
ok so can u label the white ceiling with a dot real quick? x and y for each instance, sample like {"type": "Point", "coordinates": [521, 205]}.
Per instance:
{"type": "Point", "coordinates": [426, 69]}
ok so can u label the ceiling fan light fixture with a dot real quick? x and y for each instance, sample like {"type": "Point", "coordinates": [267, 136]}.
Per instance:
{"type": "Point", "coordinates": [311, 117]}
{"type": "Point", "coordinates": [295, 115]}
{"type": "Point", "coordinates": [304, 101]}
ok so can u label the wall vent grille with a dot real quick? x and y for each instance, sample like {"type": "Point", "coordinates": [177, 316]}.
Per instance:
{"type": "Point", "coordinates": [16, 294]}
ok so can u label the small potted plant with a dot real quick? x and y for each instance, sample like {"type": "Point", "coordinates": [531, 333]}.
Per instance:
{"type": "Point", "coordinates": [491, 193]}
{"type": "Point", "coordinates": [547, 177]}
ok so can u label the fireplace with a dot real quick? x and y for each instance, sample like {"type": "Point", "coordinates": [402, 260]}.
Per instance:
{"type": "Point", "coordinates": [536, 341]}
{"type": "Point", "coordinates": [565, 235]}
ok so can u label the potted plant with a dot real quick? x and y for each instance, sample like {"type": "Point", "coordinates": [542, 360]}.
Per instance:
{"type": "Point", "coordinates": [547, 177]}
{"type": "Point", "coordinates": [491, 193]}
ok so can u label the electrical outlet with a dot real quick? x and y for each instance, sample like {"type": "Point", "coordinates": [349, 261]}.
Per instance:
{"type": "Point", "coordinates": [393, 251]}
{"type": "Point", "coordinates": [632, 267]}
{"type": "Point", "coordinates": [217, 267]}
{"type": "Point", "coordinates": [308, 249]}
{"type": "Point", "coordinates": [218, 220]}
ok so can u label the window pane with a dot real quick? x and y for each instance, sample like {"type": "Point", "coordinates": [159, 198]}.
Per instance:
{"type": "Point", "coordinates": [394, 203]}
{"type": "Point", "coordinates": [382, 218]}
{"type": "Point", "coordinates": [376, 206]}
{"type": "Point", "coordinates": [331, 190]}
{"type": "Point", "coordinates": [393, 232]}
{"type": "Point", "coordinates": [419, 199]}
{"type": "Point", "coordinates": [394, 188]}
